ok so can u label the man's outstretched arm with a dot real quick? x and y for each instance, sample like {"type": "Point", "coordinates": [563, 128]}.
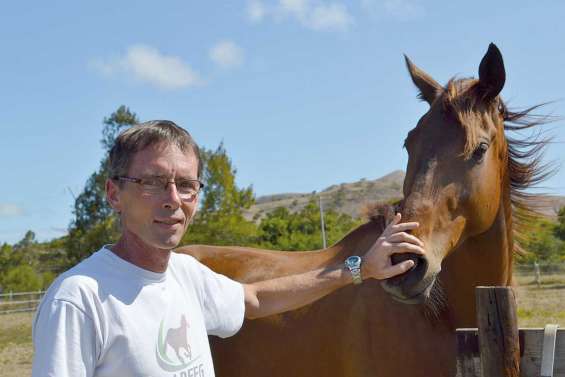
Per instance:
{"type": "Point", "coordinates": [292, 292]}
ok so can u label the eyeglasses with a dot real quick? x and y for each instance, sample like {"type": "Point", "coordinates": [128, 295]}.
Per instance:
{"type": "Point", "coordinates": [155, 185]}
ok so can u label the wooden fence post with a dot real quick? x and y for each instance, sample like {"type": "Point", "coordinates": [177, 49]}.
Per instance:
{"type": "Point", "coordinates": [537, 274]}
{"type": "Point", "coordinates": [499, 344]}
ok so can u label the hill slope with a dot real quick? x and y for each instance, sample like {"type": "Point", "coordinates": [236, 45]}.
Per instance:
{"type": "Point", "coordinates": [346, 198]}
{"type": "Point", "coordinates": [350, 198]}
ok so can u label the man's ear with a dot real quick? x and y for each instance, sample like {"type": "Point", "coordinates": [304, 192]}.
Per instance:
{"type": "Point", "coordinates": [113, 195]}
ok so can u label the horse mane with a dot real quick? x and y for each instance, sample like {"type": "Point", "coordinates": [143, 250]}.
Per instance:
{"type": "Point", "coordinates": [380, 213]}
{"type": "Point", "coordinates": [462, 99]}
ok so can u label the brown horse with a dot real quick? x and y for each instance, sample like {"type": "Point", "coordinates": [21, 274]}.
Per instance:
{"type": "Point", "coordinates": [465, 185]}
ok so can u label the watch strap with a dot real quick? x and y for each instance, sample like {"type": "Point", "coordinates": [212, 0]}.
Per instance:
{"type": "Point", "coordinates": [353, 264]}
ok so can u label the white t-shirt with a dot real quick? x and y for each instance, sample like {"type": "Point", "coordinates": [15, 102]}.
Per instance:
{"type": "Point", "coordinates": [107, 317]}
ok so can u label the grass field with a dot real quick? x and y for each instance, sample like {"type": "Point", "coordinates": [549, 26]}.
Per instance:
{"type": "Point", "coordinates": [16, 349]}
{"type": "Point", "coordinates": [537, 306]}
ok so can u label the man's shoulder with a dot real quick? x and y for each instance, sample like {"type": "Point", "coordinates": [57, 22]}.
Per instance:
{"type": "Point", "coordinates": [78, 282]}
{"type": "Point", "coordinates": [190, 270]}
{"type": "Point", "coordinates": [184, 261]}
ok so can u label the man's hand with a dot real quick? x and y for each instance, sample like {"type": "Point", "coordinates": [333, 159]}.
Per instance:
{"type": "Point", "coordinates": [294, 291]}
{"type": "Point", "coordinates": [393, 240]}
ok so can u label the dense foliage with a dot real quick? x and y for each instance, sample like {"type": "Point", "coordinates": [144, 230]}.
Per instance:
{"type": "Point", "coordinates": [27, 265]}
{"type": "Point", "coordinates": [545, 241]}
{"type": "Point", "coordinates": [219, 219]}
{"type": "Point", "coordinates": [95, 223]}
{"type": "Point", "coordinates": [302, 230]}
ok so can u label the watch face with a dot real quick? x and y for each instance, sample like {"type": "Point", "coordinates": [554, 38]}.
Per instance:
{"type": "Point", "coordinates": [353, 261]}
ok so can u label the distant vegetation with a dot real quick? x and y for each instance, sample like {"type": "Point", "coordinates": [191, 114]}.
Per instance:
{"type": "Point", "coordinates": [544, 241]}
{"type": "Point", "coordinates": [228, 215]}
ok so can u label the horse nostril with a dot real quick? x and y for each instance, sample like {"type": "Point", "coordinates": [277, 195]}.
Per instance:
{"type": "Point", "coordinates": [415, 274]}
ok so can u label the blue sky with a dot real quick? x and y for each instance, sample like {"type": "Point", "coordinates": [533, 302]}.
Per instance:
{"type": "Point", "coordinates": [303, 93]}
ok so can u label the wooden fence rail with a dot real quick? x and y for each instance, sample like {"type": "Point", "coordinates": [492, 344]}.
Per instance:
{"type": "Point", "coordinates": [499, 349]}
{"type": "Point", "coordinates": [17, 302]}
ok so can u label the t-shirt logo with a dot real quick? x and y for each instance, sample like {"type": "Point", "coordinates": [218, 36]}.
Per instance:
{"type": "Point", "coordinates": [173, 349]}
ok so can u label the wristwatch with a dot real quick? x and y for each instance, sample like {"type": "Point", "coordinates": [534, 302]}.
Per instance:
{"type": "Point", "coordinates": [353, 264]}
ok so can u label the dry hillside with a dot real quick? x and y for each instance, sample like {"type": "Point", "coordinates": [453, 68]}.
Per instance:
{"type": "Point", "coordinates": [350, 198]}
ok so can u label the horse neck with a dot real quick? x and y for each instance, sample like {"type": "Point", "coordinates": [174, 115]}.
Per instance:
{"type": "Point", "coordinates": [483, 260]}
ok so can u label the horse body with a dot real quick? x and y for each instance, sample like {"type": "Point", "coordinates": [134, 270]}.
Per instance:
{"type": "Point", "coordinates": [463, 183]}
{"type": "Point", "coordinates": [356, 331]}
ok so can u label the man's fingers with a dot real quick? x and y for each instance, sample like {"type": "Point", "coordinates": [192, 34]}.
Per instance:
{"type": "Point", "coordinates": [405, 247]}
{"type": "Point", "coordinates": [398, 269]}
{"type": "Point", "coordinates": [405, 237]}
{"type": "Point", "coordinates": [395, 220]}
{"type": "Point", "coordinates": [390, 226]}
{"type": "Point", "coordinates": [404, 227]}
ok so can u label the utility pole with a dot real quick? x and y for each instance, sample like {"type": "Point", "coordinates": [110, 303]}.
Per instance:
{"type": "Point", "coordinates": [322, 221]}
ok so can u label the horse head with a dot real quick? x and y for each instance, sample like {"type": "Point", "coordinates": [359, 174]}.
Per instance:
{"type": "Point", "coordinates": [454, 179]}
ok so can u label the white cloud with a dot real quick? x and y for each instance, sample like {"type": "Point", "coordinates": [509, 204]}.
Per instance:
{"type": "Point", "coordinates": [147, 64]}
{"type": "Point", "coordinates": [328, 17]}
{"type": "Point", "coordinates": [255, 10]}
{"type": "Point", "coordinates": [10, 210]}
{"type": "Point", "coordinates": [312, 14]}
{"type": "Point", "coordinates": [403, 9]}
{"type": "Point", "coordinates": [226, 54]}
{"type": "Point", "coordinates": [400, 9]}
{"type": "Point", "coordinates": [298, 8]}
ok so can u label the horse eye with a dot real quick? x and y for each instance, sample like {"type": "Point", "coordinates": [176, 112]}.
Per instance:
{"type": "Point", "coordinates": [480, 151]}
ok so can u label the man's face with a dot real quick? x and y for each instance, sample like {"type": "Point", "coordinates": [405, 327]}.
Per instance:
{"type": "Point", "coordinates": [157, 220]}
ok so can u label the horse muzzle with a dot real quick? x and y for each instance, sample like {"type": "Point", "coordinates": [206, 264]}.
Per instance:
{"type": "Point", "coordinates": [413, 286]}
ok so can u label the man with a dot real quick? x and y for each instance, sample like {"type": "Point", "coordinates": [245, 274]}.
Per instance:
{"type": "Point", "coordinates": [136, 309]}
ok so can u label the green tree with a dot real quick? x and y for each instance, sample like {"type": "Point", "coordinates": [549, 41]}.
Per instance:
{"type": "Point", "coordinates": [541, 244]}
{"type": "Point", "coordinates": [53, 258]}
{"type": "Point", "coordinates": [83, 242]}
{"type": "Point", "coordinates": [94, 222]}
{"type": "Point", "coordinates": [26, 251]}
{"type": "Point", "coordinates": [220, 220]}
{"type": "Point", "coordinates": [90, 205]}
{"type": "Point", "coordinates": [8, 259]}
{"type": "Point", "coordinates": [220, 193]}
{"type": "Point", "coordinates": [282, 230]}
{"type": "Point", "coordinates": [22, 278]}
{"type": "Point", "coordinates": [28, 241]}
{"type": "Point", "coordinates": [115, 123]}
{"type": "Point", "coordinates": [28, 258]}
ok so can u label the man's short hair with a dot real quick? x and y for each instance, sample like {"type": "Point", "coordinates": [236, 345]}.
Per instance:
{"type": "Point", "coordinates": [143, 135]}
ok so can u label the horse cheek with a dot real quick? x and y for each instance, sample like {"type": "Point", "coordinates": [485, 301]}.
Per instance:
{"type": "Point", "coordinates": [485, 197]}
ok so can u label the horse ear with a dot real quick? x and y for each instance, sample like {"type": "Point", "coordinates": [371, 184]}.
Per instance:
{"type": "Point", "coordinates": [428, 87]}
{"type": "Point", "coordinates": [491, 73]}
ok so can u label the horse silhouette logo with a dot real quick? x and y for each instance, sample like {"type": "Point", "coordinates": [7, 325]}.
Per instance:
{"type": "Point", "coordinates": [175, 339]}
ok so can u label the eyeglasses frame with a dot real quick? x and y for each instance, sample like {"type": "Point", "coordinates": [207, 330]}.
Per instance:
{"type": "Point", "coordinates": [139, 181]}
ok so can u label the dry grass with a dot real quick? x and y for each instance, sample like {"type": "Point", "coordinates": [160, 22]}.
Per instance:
{"type": "Point", "coordinates": [537, 306]}
{"type": "Point", "coordinates": [16, 350]}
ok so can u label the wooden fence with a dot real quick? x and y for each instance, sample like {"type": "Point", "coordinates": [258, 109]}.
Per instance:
{"type": "Point", "coordinates": [497, 348]}
{"type": "Point", "coordinates": [18, 302]}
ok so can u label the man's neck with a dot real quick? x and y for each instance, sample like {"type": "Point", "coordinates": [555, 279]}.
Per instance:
{"type": "Point", "coordinates": [135, 251]}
